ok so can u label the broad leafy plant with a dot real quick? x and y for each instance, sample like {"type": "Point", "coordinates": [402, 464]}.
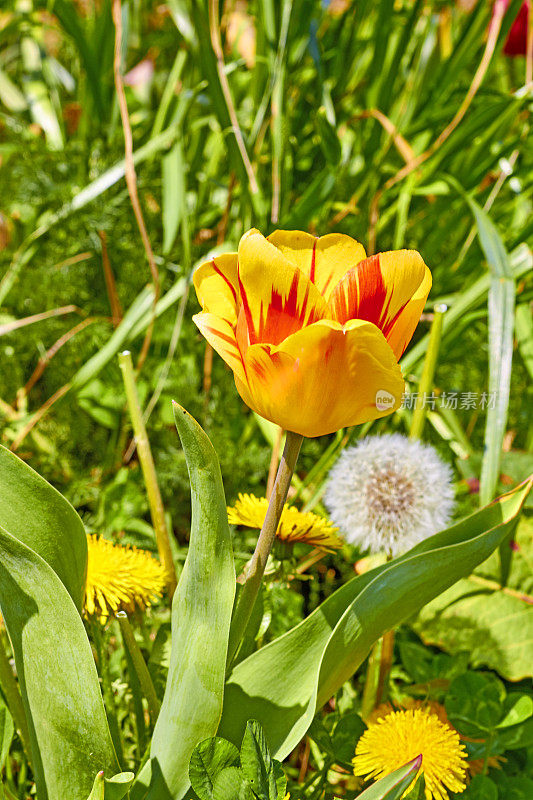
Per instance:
{"type": "Point", "coordinates": [42, 566]}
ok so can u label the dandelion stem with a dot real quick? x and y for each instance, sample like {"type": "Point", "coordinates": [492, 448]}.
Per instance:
{"type": "Point", "coordinates": [100, 642]}
{"type": "Point", "coordinates": [256, 567]}
{"type": "Point", "coordinates": [157, 509]}
{"type": "Point", "coordinates": [428, 372]}
{"type": "Point", "coordinates": [139, 665]}
{"type": "Point", "coordinates": [368, 701]}
{"type": "Point", "coordinates": [14, 700]}
{"type": "Point", "coordinates": [385, 665]}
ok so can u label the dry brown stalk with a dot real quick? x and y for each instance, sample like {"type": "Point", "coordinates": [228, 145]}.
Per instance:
{"type": "Point", "coordinates": [130, 175]}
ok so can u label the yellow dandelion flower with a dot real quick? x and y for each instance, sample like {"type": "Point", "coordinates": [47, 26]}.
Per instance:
{"type": "Point", "coordinates": [294, 525]}
{"type": "Point", "coordinates": [429, 706]}
{"type": "Point", "coordinates": [475, 765]}
{"type": "Point", "coordinates": [400, 737]}
{"type": "Point", "coordinates": [120, 578]}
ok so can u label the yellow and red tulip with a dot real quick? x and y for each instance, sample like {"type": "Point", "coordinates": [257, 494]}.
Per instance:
{"type": "Point", "coordinates": [311, 328]}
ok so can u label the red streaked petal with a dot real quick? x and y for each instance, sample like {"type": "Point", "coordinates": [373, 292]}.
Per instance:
{"type": "Point", "coordinates": [323, 378]}
{"type": "Point", "coordinates": [277, 298]}
{"type": "Point", "coordinates": [379, 288]}
{"type": "Point", "coordinates": [217, 287]}
{"type": "Point", "coordinates": [402, 328]}
{"type": "Point", "coordinates": [221, 337]}
{"type": "Point", "coordinates": [324, 260]}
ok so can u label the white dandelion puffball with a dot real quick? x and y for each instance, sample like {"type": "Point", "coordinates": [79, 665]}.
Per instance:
{"type": "Point", "coordinates": [388, 493]}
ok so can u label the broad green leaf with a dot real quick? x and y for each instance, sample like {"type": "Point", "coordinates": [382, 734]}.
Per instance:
{"type": "Point", "coordinates": [256, 762]}
{"type": "Point", "coordinates": [114, 788]}
{"type": "Point", "coordinates": [208, 759]}
{"type": "Point", "coordinates": [7, 730]}
{"type": "Point", "coordinates": [474, 704]}
{"type": "Point", "coordinates": [517, 736]}
{"type": "Point", "coordinates": [230, 784]}
{"type": "Point", "coordinates": [494, 625]}
{"type": "Point", "coordinates": [517, 708]}
{"type": "Point", "coordinates": [345, 735]}
{"type": "Point", "coordinates": [481, 788]}
{"type": "Point", "coordinates": [495, 628]}
{"type": "Point", "coordinates": [392, 786]}
{"type": "Point", "coordinates": [36, 514]}
{"type": "Point", "coordinates": [201, 612]}
{"type": "Point", "coordinates": [283, 684]}
{"type": "Point", "coordinates": [70, 738]}
{"type": "Point", "coordinates": [513, 787]}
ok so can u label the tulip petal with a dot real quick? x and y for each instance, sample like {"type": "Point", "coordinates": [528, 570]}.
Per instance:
{"type": "Point", "coordinates": [324, 260]}
{"type": "Point", "coordinates": [323, 378]}
{"type": "Point", "coordinates": [277, 298]}
{"type": "Point", "coordinates": [217, 287]}
{"type": "Point", "coordinates": [221, 337]}
{"type": "Point", "coordinates": [401, 331]}
{"type": "Point", "coordinates": [379, 288]}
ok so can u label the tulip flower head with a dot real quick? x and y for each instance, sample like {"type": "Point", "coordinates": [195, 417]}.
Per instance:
{"type": "Point", "coordinates": [311, 328]}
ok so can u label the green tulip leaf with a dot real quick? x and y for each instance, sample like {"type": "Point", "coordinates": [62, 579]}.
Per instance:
{"type": "Point", "coordinates": [114, 788]}
{"type": "Point", "coordinates": [283, 684]}
{"type": "Point", "coordinates": [69, 735]}
{"type": "Point", "coordinates": [38, 516]}
{"type": "Point", "coordinates": [201, 613]}
{"type": "Point", "coordinates": [392, 786]}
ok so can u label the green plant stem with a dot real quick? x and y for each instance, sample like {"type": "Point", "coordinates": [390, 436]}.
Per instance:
{"type": "Point", "coordinates": [256, 567]}
{"type": "Point", "coordinates": [99, 639]}
{"type": "Point", "coordinates": [13, 699]}
{"type": "Point", "coordinates": [490, 740]}
{"type": "Point", "coordinates": [385, 666]}
{"type": "Point", "coordinates": [157, 509]}
{"type": "Point", "coordinates": [139, 664]}
{"type": "Point", "coordinates": [428, 372]}
{"type": "Point", "coordinates": [368, 700]}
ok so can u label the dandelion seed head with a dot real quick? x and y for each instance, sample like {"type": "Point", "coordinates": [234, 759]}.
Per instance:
{"type": "Point", "coordinates": [387, 493]}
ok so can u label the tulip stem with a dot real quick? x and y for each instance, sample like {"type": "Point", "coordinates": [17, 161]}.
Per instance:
{"type": "Point", "coordinates": [256, 567]}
